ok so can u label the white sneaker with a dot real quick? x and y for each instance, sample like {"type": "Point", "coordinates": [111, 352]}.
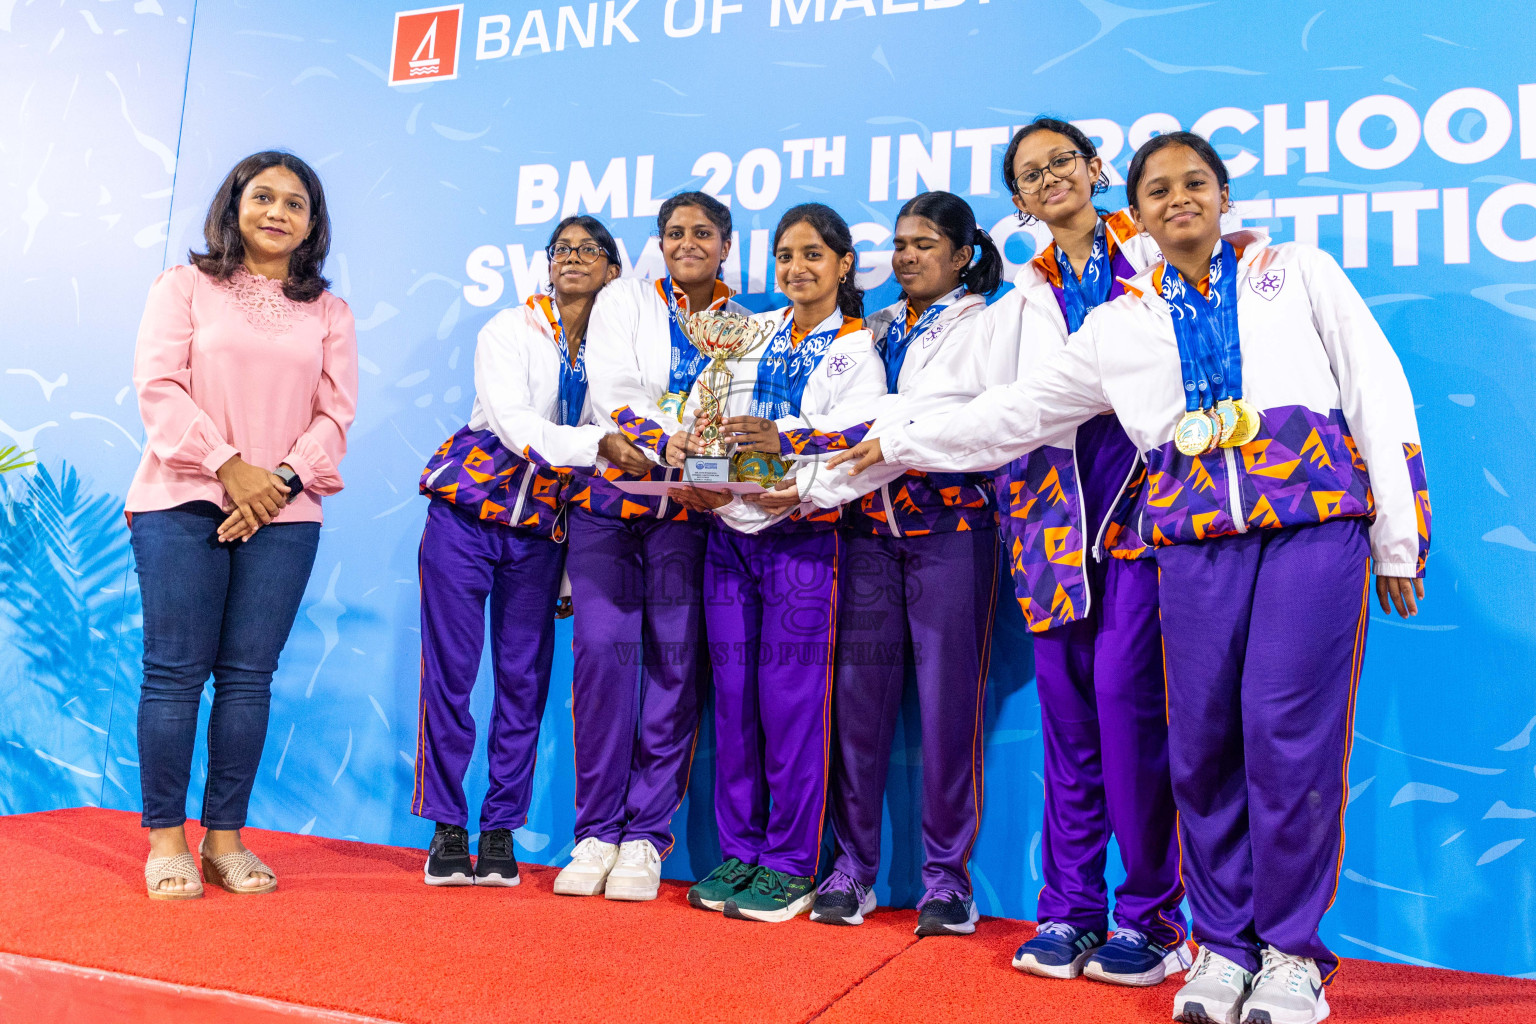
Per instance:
{"type": "Point", "coordinates": [1289, 990]}
{"type": "Point", "coordinates": [588, 870]}
{"type": "Point", "coordinates": [1213, 992]}
{"type": "Point", "coordinates": [637, 875]}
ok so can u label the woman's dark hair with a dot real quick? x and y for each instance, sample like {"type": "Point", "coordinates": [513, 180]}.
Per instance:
{"type": "Point", "coordinates": [1073, 133]}
{"type": "Point", "coordinates": [221, 228]}
{"type": "Point", "coordinates": [595, 228]}
{"type": "Point", "coordinates": [718, 213]}
{"type": "Point", "coordinates": [954, 216]}
{"type": "Point", "coordinates": [1203, 149]}
{"type": "Point", "coordinates": [833, 231]}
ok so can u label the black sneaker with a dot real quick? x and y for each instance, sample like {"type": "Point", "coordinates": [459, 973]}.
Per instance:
{"type": "Point", "coordinates": [842, 899]}
{"type": "Point", "coordinates": [946, 912]}
{"type": "Point", "coordinates": [448, 860]}
{"type": "Point", "coordinates": [496, 865]}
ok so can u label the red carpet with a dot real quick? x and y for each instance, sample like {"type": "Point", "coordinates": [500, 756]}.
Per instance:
{"type": "Point", "coordinates": [352, 929]}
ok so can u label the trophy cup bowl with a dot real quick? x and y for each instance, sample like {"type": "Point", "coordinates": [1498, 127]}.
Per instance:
{"type": "Point", "coordinates": [720, 336]}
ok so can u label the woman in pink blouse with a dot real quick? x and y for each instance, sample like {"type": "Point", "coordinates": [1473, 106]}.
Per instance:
{"type": "Point", "coordinates": [246, 371]}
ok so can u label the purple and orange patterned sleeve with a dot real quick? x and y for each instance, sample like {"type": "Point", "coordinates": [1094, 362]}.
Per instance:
{"type": "Point", "coordinates": [805, 441]}
{"type": "Point", "coordinates": [643, 431]}
{"type": "Point", "coordinates": [1415, 456]}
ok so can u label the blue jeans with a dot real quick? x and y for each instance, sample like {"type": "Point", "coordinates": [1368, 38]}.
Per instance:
{"type": "Point", "coordinates": [224, 609]}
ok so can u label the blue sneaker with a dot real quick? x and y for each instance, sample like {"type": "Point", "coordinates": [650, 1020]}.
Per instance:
{"type": "Point", "coordinates": [1057, 951]}
{"type": "Point", "coordinates": [1130, 958]}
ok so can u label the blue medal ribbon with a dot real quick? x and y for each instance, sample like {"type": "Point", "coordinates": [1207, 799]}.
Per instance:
{"type": "Point", "coordinates": [785, 369]}
{"type": "Point", "coordinates": [893, 347]}
{"type": "Point", "coordinates": [1079, 295]}
{"type": "Point", "coordinates": [1210, 352]}
{"type": "Point", "coordinates": [1222, 327]}
{"type": "Point", "coordinates": [687, 361]}
{"type": "Point", "coordinates": [573, 380]}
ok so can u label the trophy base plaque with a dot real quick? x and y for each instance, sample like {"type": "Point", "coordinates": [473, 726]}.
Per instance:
{"type": "Point", "coordinates": [706, 469]}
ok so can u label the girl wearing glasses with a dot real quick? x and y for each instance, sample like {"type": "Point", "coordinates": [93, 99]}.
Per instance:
{"type": "Point", "coordinates": [771, 572]}
{"type": "Point", "coordinates": [1088, 588]}
{"type": "Point", "coordinates": [494, 530]}
{"type": "Point", "coordinates": [920, 561]}
{"type": "Point", "coordinates": [1283, 463]}
{"type": "Point", "coordinates": [636, 567]}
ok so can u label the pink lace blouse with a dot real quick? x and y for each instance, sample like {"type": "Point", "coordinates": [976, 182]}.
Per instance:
{"type": "Point", "coordinates": [236, 367]}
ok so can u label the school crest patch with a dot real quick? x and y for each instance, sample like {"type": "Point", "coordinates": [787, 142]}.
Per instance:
{"type": "Point", "coordinates": [1268, 284]}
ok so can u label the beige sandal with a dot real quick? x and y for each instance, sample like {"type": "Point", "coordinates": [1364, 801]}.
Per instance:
{"type": "Point", "coordinates": [230, 870]}
{"type": "Point", "coordinates": [158, 869]}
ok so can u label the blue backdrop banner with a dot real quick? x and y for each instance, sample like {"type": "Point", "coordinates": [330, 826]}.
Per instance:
{"type": "Point", "coordinates": [1400, 138]}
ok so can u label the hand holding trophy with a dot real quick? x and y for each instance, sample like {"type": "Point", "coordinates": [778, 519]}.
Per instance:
{"type": "Point", "coordinates": [720, 336]}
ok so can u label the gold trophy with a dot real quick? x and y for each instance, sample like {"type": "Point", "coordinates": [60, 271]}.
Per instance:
{"type": "Point", "coordinates": [720, 336]}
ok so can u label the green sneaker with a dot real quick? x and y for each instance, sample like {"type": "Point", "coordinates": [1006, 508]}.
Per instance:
{"type": "Point", "coordinates": [722, 883]}
{"type": "Point", "coordinates": [773, 896]}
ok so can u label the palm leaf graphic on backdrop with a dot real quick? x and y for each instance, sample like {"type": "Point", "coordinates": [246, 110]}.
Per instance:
{"type": "Point", "coordinates": [12, 458]}
{"type": "Point", "coordinates": [72, 636]}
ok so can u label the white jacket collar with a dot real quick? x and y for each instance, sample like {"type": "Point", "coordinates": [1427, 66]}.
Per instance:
{"type": "Point", "coordinates": [1032, 282]}
{"type": "Point", "coordinates": [1120, 226]}
{"type": "Point", "coordinates": [955, 303]}
{"type": "Point", "coordinates": [880, 321]}
{"type": "Point", "coordinates": [538, 321]}
{"type": "Point", "coordinates": [1252, 241]}
{"type": "Point", "coordinates": [831, 323]}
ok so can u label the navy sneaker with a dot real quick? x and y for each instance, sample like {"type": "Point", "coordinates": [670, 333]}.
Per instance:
{"type": "Point", "coordinates": [946, 912]}
{"type": "Point", "coordinates": [842, 899]}
{"type": "Point", "coordinates": [1130, 958]}
{"type": "Point", "coordinates": [1058, 950]}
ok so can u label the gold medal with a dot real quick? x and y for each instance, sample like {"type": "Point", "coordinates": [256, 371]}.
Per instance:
{"type": "Point", "coordinates": [1247, 424]}
{"type": "Point", "coordinates": [1195, 434]}
{"type": "Point", "coordinates": [759, 468]}
{"type": "Point", "coordinates": [1226, 416]}
{"type": "Point", "coordinates": [672, 403]}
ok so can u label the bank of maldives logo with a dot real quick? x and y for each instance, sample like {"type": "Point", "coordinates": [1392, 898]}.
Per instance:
{"type": "Point", "coordinates": [426, 46]}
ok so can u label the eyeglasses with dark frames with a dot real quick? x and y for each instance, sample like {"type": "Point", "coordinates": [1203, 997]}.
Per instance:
{"type": "Point", "coordinates": [1061, 167]}
{"type": "Point", "coordinates": [586, 252]}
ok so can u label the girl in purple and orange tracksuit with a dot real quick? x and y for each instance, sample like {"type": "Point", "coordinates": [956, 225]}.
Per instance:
{"type": "Point", "coordinates": [919, 564]}
{"type": "Point", "coordinates": [1283, 469]}
{"type": "Point", "coordinates": [495, 531]}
